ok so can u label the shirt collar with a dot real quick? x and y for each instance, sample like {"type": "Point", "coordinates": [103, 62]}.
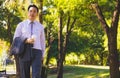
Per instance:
{"type": "Point", "coordinates": [29, 21]}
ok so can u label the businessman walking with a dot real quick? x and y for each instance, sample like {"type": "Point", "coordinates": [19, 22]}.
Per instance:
{"type": "Point", "coordinates": [34, 44]}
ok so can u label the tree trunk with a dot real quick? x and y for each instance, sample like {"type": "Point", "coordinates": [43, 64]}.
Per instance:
{"type": "Point", "coordinates": [113, 56]}
{"type": "Point", "coordinates": [50, 41]}
{"type": "Point", "coordinates": [112, 37]}
{"type": "Point", "coordinates": [10, 40]}
{"type": "Point", "coordinates": [17, 67]}
{"type": "Point", "coordinates": [68, 32]}
{"type": "Point", "coordinates": [46, 64]}
{"type": "Point", "coordinates": [9, 30]}
{"type": "Point", "coordinates": [41, 11]}
{"type": "Point", "coordinates": [62, 45]}
{"type": "Point", "coordinates": [60, 48]}
{"type": "Point", "coordinates": [43, 73]}
{"type": "Point", "coordinates": [66, 37]}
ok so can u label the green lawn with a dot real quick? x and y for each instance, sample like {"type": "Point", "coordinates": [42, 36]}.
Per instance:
{"type": "Point", "coordinates": [80, 71]}
{"type": "Point", "coordinates": [84, 71]}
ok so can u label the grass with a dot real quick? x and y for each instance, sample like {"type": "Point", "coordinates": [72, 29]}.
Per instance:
{"type": "Point", "coordinates": [80, 71]}
{"type": "Point", "coordinates": [83, 71]}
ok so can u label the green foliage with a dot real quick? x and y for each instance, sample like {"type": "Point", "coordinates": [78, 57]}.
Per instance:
{"type": "Point", "coordinates": [53, 61]}
{"type": "Point", "coordinates": [87, 35]}
{"type": "Point", "coordinates": [4, 49]}
{"type": "Point", "coordinates": [7, 11]}
{"type": "Point", "coordinates": [71, 58]}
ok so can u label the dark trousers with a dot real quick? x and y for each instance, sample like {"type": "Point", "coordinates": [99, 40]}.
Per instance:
{"type": "Point", "coordinates": [36, 65]}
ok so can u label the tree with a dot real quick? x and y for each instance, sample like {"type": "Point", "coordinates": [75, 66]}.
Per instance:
{"type": "Point", "coordinates": [70, 14]}
{"type": "Point", "coordinates": [41, 11]}
{"type": "Point", "coordinates": [16, 10]}
{"type": "Point", "coordinates": [62, 43]}
{"type": "Point", "coordinates": [111, 32]}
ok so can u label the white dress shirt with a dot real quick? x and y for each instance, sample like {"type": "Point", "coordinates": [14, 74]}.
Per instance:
{"type": "Point", "coordinates": [24, 29]}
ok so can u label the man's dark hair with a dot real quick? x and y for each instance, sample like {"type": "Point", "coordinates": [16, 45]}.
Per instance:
{"type": "Point", "coordinates": [33, 6]}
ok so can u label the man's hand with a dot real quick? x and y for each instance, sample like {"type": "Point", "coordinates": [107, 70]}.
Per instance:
{"type": "Point", "coordinates": [30, 40]}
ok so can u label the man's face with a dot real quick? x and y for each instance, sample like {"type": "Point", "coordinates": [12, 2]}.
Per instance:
{"type": "Point", "coordinates": [32, 13]}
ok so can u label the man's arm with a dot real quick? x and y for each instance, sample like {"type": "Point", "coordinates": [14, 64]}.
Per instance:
{"type": "Point", "coordinates": [17, 31]}
{"type": "Point", "coordinates": [43, 42]}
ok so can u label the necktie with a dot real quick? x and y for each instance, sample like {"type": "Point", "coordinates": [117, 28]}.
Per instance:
{"type": "Point", "coordinates": [31, 36]}
{"type": "Point", "coordinates": [32, 28]}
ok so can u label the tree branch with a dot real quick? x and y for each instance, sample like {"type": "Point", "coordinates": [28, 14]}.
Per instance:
{"type": "Point", "coordinates": [72, 25]}
{"type": "Point", "coordinates": [100, 16]}
{"type": "Point", "coordinates": [115, 17]}
{"type": "Point", "coordinates": [68, 23]}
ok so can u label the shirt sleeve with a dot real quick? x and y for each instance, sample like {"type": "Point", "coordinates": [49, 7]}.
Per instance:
{"type": "Point", "coordinates": [17, 31]}
{"type": "Point", "coordinates": [42, 41]}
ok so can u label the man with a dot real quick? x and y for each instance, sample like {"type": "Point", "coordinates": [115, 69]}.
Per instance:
{"type": "Point", "coordinates": [35, 42]}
